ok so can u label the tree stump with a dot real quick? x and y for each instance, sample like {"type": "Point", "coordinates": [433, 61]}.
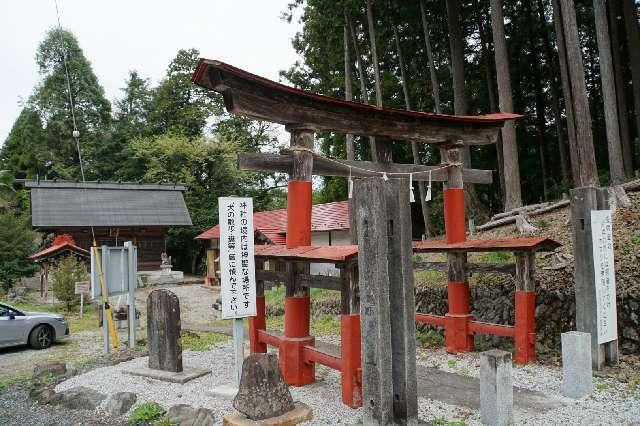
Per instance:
{"type": "Point", "coordinates": [163, 331]}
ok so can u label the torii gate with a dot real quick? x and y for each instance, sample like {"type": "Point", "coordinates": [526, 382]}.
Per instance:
{"type": "Point", "coordinates": [386, 305]}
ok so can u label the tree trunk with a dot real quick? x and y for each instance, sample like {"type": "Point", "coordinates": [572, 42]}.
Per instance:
{"type": "Point", "coordinates": [616, 167]}
{"type": "Point", "coordinates": [435, 90]}
{"type": "Point", "coordinates": [348, 87]}
{"type": "Point", "coordinates": [555, 98]}
{"type": "Point", "coordinates": [491, 91]}
{"type": "Point", "coordinates": [586, 159]}
{"type": "Point", "coordinates": [363, 87]}
{"type": "Point", "coordinates": [566, 90]}
{"type": "Point", "coordinates": [414, 144]}
{"type": "Point", "coordinates": [513, 197]}
{"type": "Point", "coordinates": [374, 53]}
{"type": "Point", "coordinates": [623, 115]}
{"type": "Point", "coordinates": [456, 45]}
{"type": "Point", "coordinates": [629, 12]}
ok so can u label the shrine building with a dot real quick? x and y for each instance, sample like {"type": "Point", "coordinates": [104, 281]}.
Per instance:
{"type": "Point", "coordinates": [329, 227]}
{"type": "Point", "coordinates": [118, 212]}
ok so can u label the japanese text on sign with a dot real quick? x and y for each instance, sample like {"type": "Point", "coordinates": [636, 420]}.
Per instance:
{"type": "Point", "coordinates": [237, 265]}
{"type": "Point", "coordinates": [601, 232]}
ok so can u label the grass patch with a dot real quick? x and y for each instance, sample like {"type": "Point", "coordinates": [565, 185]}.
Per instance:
{"type": "Point", "coordinates": [430, 339]}
{"type": "Point", "coordinates": [9, 380]}
{"type": "Point", "coordinates": [275, 296]}
{"type": "Point", "coordinates": [633, 387]}
{"type": "Point", "coordinates": [202, 341]}
{"type": "Point", "coordinates": [146, 413]}
{"type": "Point", "coordinates": [430, 278]}
{"type": "Point", "coordinates": [602, 386]}
{"type": "Point", "coordinates": [324, 326]}
{"type": "Point", "coordinates": [452, 363]}
{"type": "Point", "coordinates": [443, 421]}
{"type": "Point", "coordinates": [499, 257]}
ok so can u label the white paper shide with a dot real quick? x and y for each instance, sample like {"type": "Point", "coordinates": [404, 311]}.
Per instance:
{"type": "Point", "coordinates": [237, 265]}
{"type": "Point", "coordinates": [604, 272]}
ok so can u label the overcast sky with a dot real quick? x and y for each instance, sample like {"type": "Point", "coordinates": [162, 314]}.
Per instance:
{"type": "Point", "coordinates": [117, 36]}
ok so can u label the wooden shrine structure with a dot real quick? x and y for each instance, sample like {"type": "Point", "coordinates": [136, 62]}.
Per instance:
{"type": "Point", "coordinates": [377, 357]}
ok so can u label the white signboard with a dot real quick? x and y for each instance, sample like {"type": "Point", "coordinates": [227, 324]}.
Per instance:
{"type": "Point", "coordinates": [237, 263]}
{"type": "Point", "coordinates": [82, 287]}
{"type": "Point", "coordinates": [601, 233]}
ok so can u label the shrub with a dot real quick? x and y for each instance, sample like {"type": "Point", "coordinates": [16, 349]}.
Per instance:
{"type": "Point", "coordinates": [16, 245]}
{"type": "Point", "coordinates": [65, 274]}
{"type": "Point", "coordinates": [146, 413]}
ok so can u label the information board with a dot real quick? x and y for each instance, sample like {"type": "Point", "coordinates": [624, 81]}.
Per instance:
{"type": "Point", "coordinates": [82, 287]}
{"type": "Point", "coordinates": [237, 263]}
{"type": "Point", "coordinates": [604, 272]}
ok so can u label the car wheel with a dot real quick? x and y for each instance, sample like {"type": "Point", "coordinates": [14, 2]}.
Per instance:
{"type": "Point", "coordinates": [41, 337]}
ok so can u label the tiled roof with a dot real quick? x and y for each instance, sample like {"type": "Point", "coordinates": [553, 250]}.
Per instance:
{"type": "Point", "coordinates": [57, 204]}
{"type": "Point", "coordinates": [273, 223]}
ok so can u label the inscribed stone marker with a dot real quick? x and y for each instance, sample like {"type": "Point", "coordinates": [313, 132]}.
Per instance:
{"type": "Point", "coordinates": [577, 379]}
{"type": "Point", "coordinates": [163, 331]}
{"type": "Point", "coordinates": [496, 388]}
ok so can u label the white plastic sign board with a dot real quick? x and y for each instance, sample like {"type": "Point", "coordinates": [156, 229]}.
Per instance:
{"type": "Point", "coordinates": [83, 287]}
{"type": "Point", "coordinates": [118, 274]}
{"type": "Point", "coordinates": [604, 272]}
{"type": "Point", "coordinates": [237, 263]}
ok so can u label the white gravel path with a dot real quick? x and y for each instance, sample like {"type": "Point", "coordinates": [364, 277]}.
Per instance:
{"type": "Point", "coordinates": [611, 402]}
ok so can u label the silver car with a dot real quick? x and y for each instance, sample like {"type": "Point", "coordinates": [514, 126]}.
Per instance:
{"type": "Point", "coordinates": [37, 329]}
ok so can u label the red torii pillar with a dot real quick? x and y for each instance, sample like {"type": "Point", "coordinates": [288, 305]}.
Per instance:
{"type": "Point", "coordinates": [458, 336]}
{"type": "Point", "coordinates": [297, 304]}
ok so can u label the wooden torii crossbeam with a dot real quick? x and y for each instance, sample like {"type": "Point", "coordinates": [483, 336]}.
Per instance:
{"type": "Point", "coordinates": [384, 306]}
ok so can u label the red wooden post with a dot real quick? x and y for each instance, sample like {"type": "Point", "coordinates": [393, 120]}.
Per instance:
{"type": "Point", "coordinates": [458, 336]}
{"type": "Point", "coordinates": [350, 356]}
{"type": "Point", "coordinates": [525, 309]}
{"type": "Point", "coordinates": [259, 322]}
{"type": "Point", "coordinates": [297, 305]}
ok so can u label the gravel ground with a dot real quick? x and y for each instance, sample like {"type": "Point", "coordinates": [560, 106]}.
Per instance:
{"type": "Point", "coordinates": [611, 402]}
{"type": "Point", "coordinates": [17, 409]}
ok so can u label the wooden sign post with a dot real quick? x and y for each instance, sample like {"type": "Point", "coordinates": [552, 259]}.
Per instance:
{"type": "Point", "coordinates": [237, 266]}
{"type": "Point", "coordinates": [594, 272]}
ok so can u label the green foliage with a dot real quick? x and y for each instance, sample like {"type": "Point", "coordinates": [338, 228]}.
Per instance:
{"type": "Point", "coordinates": [452, 363]}
{"type": "Point", "coordinates": [51, 101]}
{"type": "Point", "coordinates": [24, 152]}
{"type": "Point", "coordinates": [430, 339]}
{"type": "Point", "coordinates": [200, 341]}
{"type": "Point", "coordinates": [443, 421]}
{"type": "Point", "coordinates": [499, 257]}
{"type": "Point", "coordinates": [65, 274]}
{"type": "Point", "coordinates": [430, 278]}
{"type": "Point", "coordinates": [17, 243]}
{"type": "Point", "coordinates": [146, 413]}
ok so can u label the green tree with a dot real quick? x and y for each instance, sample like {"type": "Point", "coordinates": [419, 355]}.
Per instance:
{"type": "Point", "coordinates": [17, 242]}
{"type": "Point", "coordinates": [60, 51]}
{"type": "Point", "coordinates": [24, 152]}
{"type": "Point", "coordinates": [177, 105]}
{"type": "Point", "coordinates": [65, 274]}
{"type": "Point", "coordinates": [129, 122]}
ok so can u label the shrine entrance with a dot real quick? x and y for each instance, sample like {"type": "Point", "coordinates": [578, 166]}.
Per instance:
{"type": "Point", "coordinates": [377, 358]}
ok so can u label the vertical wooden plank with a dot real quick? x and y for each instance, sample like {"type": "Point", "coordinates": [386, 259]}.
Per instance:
{"type": "Point", "coordinates": [525, 271]}
{"type": "Point", "coordinates": [377, 384]}
{"type": "Point", "coordinates": [401, 300]}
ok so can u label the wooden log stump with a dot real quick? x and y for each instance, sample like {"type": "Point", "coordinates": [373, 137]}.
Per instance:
{"type": "Point", "coordinates": [163, 331]}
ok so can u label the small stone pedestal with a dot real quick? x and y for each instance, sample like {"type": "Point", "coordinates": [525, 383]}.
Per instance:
{"type": "Point", "coordinates": [300, 413]}
{"type": "Point", "coordinates": [577, 378]}
{"type": "Point", "coordinates": [496, 388]}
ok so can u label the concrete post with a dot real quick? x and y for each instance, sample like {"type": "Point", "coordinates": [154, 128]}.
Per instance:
{"type": "Point", "coordinates": [496, 388]}
{"type": "Point", "coordinates": [577, 379]}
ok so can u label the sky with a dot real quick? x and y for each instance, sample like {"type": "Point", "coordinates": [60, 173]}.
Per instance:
{"type": "Point", "coordinates": [117, 36]}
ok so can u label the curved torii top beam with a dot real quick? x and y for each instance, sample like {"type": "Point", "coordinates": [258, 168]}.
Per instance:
{"type": "Point", "coordinates": [257, 97]}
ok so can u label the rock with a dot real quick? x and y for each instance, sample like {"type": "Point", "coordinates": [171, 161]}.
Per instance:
{"type": "Point", "coordinates": [44, 394]}
{"type": "Point", "coordinates": [57, 369]}
{"type": "Point", "coordinates": [186, 415]}
{"type": "Point", "coordinates": [262, 393]}
{"type": "Point", "coordinates": [119, 403]}
{"type": "Point", "coordinates": [81, 398]}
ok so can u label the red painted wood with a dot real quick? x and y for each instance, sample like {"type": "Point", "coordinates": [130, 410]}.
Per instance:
{"type": "Point", "coordinates": [492, 329]}
{"type": "Point", "coordinates": [350, 354]}
{"type": "Point", "coordinates": [525, 327]}
{"type": "Point", "coordinates": [259, 322]}
{"type": "Point", "coordinates": [430, 319]}
{"type": "Point", "coordinates": [311, 354]}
